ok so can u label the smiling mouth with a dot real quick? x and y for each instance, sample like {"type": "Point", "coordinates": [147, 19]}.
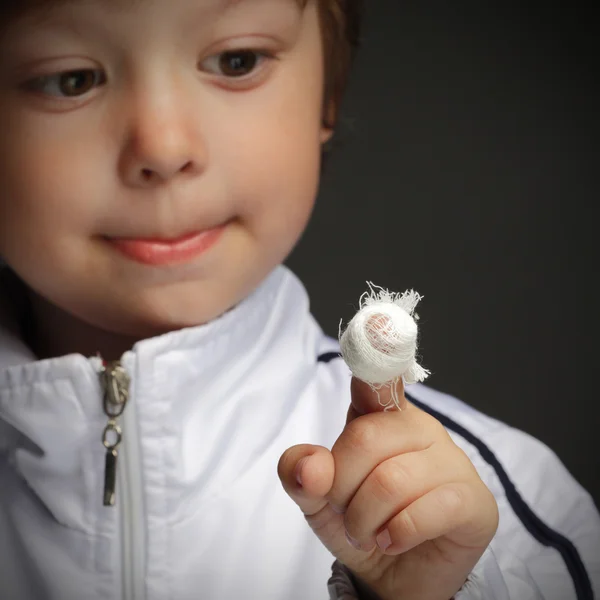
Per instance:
{"type": "Point", "coordinates": [161, 252]}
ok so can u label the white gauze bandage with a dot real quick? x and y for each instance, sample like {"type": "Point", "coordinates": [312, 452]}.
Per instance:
{"type": "Point", "coordinates": [380, 343]}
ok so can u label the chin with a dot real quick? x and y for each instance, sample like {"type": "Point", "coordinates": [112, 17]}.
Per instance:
{"type": "Point", "coordinates": [158, 313]}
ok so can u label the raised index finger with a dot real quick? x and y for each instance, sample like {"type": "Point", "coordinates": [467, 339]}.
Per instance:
{"type": "Point", "coordinates": [365, 400]}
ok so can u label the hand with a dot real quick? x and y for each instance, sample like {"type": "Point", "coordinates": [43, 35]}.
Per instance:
{"type": "Point", "coordinates": [398, 477]}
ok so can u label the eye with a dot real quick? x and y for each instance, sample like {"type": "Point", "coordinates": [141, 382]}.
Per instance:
{"type": "Point", "coordinates": [235, 63]}
{"type": "Point", "coordinates": [69, 84]}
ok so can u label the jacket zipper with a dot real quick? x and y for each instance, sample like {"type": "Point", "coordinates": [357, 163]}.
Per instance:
{"type": "Point", "coordinates": [123, 473]}
{"type": "Point", "coordinates": [115, 384]}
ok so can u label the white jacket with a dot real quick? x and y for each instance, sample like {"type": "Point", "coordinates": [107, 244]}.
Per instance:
{"type": "Point", "coordinates": [200, 512]}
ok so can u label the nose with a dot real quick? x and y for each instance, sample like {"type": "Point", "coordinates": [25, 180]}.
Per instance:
{"type": "Point", "coordinates": [162, 141]}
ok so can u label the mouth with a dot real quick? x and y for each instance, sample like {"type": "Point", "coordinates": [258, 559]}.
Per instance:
{"type": "Point", "coordinates": [163, 252]}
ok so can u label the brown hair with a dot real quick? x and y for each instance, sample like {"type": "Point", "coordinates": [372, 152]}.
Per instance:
{"type": "Point", "coordinates": [340, 28]}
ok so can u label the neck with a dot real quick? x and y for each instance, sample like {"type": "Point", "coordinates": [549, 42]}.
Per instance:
{"type": "Point", "coordinates": [52, 332]}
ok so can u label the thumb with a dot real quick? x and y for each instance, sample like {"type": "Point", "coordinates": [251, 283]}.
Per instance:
{"type": "Point", "coordinates": [306, 473]}
{"type": "Point", "coordinates": [366, 400]}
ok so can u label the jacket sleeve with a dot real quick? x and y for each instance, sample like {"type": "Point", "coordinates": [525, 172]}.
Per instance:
{"type": "Point", "coordinates": [485, 582]}
{"type": "Point", "coordinates": [343, 586]}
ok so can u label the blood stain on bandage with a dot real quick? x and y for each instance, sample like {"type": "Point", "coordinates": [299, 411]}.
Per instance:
{"type": "Point", "coordinates": [379, 344]}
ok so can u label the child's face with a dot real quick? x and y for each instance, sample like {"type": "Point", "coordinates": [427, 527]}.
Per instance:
{"type": "Point", "coordinates": [164, 128]}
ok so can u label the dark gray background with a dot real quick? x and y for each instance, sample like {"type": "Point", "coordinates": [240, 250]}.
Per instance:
{"type": "Point", "coordinates": [467, 168]}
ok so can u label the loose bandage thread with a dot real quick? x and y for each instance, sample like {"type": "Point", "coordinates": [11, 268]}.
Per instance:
{"type": "Point", "coordinates": [379, 344]}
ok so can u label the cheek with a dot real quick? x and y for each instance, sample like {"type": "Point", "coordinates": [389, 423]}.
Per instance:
{"type": "Point", "coordinates": [47, 187]}
{"type": "Point", "coordinates": [272, 157]}
{"type": "Point", "coordinates": [46, 218]}
{"type": "Point", "coordinates": [276, 191]}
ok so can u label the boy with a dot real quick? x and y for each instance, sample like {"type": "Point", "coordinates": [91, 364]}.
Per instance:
{"type": "Point", "coordinates": [158, 365]}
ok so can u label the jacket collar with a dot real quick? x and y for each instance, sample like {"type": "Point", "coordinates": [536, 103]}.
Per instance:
{"type": "Point", "coordinates": [248, 319]}
{"type": "Point", "coordinates": [193, 394]}
{"type": "Point", "coordinates": [239, 339]}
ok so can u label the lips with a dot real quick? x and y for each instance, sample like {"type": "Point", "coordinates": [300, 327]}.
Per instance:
{"type": "Point", "coordinates": [161, 252]}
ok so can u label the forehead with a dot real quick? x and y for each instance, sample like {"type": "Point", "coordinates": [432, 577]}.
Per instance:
{"type": "Point", "coordinates": [11, 9]}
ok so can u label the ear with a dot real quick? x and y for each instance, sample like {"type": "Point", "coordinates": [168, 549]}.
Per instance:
{"type": "Point", "coordinates": [326, 134]}
{"type": "Point", "coordinates": [329, 117]}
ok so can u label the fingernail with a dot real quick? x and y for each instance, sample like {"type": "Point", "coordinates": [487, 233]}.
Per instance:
{"type": "Point", "coordinates": [352, 541]}
{"type": "Point", "coordinates": [357, 545]}
{"type": "Point", "coordinates": [384, 540]}
{"type": "Point", "coordinates": [299, 468]}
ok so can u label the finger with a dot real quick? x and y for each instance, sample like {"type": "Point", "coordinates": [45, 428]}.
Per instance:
{"type": "Point", "coordinates": [307, 473]}
{"type": "Point", "coordinates": [437, 513]}
{"type": "Point", "coordinates": [381, 334]}
{"type": "Point", "coordinates": [367, 400]}
{"type": "Point", "coordinates": [392, 486]}
{"type": "Point", "coordinates": [369, 440]}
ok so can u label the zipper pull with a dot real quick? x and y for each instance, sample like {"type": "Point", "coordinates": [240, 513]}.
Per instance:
{"type": "Point", "coordinates": [115, 383]}
{"type": "Point", "coordinates": [110, 463]}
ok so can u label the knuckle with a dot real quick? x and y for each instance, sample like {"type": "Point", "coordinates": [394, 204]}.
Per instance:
{"type": "Point", "coordinates": [389, 481]}
{"type": "Point", "coordinates": [405, 528]}
{"type": "Point", "coordinates": [436, 428]}
{"type": "Point", "coordinates": [362, 434]}
{"type": "Point", "coordinates": [452, 501]}
{"type": "Point", "coordinates": [428, 427]}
